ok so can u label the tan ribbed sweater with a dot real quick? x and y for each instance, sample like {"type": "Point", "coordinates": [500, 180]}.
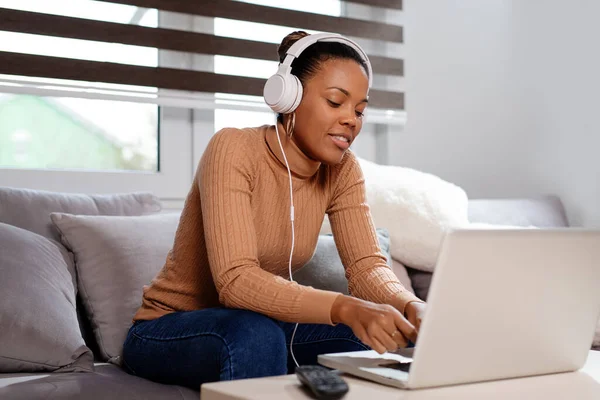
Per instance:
{"type": "Point", "coordinates": [233, 240]}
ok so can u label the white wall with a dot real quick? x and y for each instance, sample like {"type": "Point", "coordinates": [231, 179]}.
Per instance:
{"type": "Point", "coordinates": [558, 54]}
{"type": "Point", "coordinates": [500, 98]}
{"type": "Point", "coordinates": [458, 83]}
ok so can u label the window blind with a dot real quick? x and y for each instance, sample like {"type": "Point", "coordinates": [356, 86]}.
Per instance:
{"type": "Point", "coordinates": [188, 81]}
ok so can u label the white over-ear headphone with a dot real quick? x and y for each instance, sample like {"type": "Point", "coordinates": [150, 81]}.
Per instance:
{"type": "Point", "coordinates": [283, 91]}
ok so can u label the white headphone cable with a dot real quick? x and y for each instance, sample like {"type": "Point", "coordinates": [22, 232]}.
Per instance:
{"type": "Point", "coordinates": [293, 236]}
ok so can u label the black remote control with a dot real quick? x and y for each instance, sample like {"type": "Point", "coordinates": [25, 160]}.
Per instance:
{"type": "Point", "coordinates": [323, 383]}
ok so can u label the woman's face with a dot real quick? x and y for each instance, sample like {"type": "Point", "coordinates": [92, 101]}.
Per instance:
{"type": "Point", "coordinates": [329, 116]}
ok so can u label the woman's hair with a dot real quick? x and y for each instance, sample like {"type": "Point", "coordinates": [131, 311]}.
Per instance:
{"type": "Point", "coordinates": [310, 60]}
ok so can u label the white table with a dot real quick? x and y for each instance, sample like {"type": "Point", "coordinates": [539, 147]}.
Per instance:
{"type": "Point", "coordinates": [580, 385]}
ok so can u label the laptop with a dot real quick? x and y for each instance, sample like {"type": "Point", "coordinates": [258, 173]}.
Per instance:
{"type": "Point", "coordinates": [502, 304]}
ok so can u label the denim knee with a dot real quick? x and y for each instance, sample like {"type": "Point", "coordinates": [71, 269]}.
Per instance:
{"type": "Point", "coordinates": [194, 347]}
{"type": "Point", "coordinates": [254, 346]}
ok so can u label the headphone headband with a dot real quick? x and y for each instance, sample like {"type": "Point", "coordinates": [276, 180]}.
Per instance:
{"type": "Point", "coordinates": [283, 91]}
{"type": "Point", "coordinates": [301, 44]}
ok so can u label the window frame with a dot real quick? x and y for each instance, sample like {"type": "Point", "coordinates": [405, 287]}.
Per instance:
{"type": "Point", "coordinates": [170, 181]}
{"type": "Point", "coordinates": [175, 156]}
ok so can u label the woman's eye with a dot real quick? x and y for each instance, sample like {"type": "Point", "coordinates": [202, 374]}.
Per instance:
{"type": "Point", "coordinates": [333, 104]}
{"type": "Point", "coordinates": [359, 114]}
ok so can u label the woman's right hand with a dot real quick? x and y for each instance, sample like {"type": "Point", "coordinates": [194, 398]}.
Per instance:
{"type": "Point", "coordinates": [379, 326]}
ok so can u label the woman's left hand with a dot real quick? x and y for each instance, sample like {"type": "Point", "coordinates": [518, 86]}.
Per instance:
{"type": "Point", "coordinates": [415, 312]}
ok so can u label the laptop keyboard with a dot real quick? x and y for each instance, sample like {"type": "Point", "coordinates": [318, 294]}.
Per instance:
{"type": "Point", "coordinates": [401, 366]}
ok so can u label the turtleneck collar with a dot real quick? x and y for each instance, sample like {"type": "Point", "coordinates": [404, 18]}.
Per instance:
{"type": "Point", "coordinates": [300, 164]}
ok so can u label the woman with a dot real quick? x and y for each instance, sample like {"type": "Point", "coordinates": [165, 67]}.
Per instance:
{"type": "Point", "coordinates": [223, 306]}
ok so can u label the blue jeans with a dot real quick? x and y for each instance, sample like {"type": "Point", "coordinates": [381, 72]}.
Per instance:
{"type": "Point", "coordinates": [194, 347]}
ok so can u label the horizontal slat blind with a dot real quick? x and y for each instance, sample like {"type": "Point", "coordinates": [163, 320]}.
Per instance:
{"type": "Point", "coordinates": [12, 63]}
{"type": "Point", "coordinates": [165, 78]}
{"type": "Point", "coordinates": [273, 16]}
{"type": "Point", "coordinates": [394, 4]}
{"type": "Point", "coordinates": [166, 39]}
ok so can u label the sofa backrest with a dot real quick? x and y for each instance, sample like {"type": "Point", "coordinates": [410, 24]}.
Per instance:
{"type": "Point", "coordinates": [542, 212]}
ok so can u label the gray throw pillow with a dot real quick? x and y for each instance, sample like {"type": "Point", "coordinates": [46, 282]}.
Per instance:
{"type": "Point", "coordinates": [30, 209]}
{"type": "Point", "coordinates": [38, 320]}
{"type": "Point", "coordinates": [115, 257]}
{"type": "Point", "coordinates": [325, 270]}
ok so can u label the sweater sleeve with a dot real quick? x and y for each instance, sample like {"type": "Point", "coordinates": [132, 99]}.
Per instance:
{"type": "Point", "coordinates": [369, 276]}
{"type": "Point", "coordinates": [225, 182]}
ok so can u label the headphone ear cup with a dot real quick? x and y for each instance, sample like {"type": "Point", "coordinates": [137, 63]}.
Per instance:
{"type": "Point", "coordinates": [287, 103]}
{"type": "Point", "coordinates": [298, 90]}
{"type": "Point", "coordinates": [283, 93]}
{"type": "Point", "coordinates": [274, 92]}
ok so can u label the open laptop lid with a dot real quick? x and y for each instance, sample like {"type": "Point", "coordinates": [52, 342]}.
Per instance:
{"type": "Point", "coordinates": [509, 303]}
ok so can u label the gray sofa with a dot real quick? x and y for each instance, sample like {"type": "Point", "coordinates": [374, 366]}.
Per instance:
{"type": "Point", "coordinates": [79, 309]}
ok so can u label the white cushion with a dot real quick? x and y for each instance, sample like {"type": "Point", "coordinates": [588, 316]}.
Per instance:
{"type": "Point", "coordinates": [416, 208]}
